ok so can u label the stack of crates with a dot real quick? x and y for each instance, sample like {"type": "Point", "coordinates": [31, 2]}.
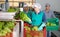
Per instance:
{"type": "Point", "coordinates": [30, 33]}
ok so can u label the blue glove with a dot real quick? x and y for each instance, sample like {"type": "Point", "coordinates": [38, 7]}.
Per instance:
{"type": "Point", "coordinates": [41, 27]}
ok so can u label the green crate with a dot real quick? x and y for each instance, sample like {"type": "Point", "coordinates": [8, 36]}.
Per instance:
{"type": "Point", "coordinates": [50, 28]}
{"type": "Point", "coordinates": [53, 20]}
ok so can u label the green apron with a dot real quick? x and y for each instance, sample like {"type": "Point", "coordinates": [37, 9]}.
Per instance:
{"type": "Point", "coordinates": [37, 18]}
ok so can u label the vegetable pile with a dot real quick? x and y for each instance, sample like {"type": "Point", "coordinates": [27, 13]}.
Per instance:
{"type": "Point", "coordinates": [5, 27]}
{"type": "Point", "coordinates": [23, 16]}
{"type": "Point", "coordinates": [50, 24]}
{"type": "Point", "coordinates": [11, 9]}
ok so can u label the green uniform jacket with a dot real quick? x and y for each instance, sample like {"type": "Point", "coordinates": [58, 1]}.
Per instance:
{"type": "Point", "coordinates": [37, 19]}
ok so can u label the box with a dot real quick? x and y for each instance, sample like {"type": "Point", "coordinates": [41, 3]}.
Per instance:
{"type": "Point", "coordinates": [31, 33]}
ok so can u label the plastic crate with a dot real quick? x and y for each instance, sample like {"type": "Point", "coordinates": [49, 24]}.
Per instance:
{"type": "Point", "coordinates": [55, 21]}
{"type": "Point", "coordinates": [35, 33]}
{"type": "Point", "coordinates": [50, 28]}
{"type": "Point", "coordinates": [31, 33]}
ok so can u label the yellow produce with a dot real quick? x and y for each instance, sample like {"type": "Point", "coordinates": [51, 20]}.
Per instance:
{"type": "Point", "coordinates": [35, 28]}
{"type": "Point", "coordinates": [27, 28]}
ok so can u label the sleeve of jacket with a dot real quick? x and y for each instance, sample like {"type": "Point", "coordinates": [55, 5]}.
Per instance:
{"type": "Point", "coordinates": [29, 14]}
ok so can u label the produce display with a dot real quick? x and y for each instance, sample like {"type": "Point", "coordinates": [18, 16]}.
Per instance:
{"type": "Point", "coordinates": [30, 31]}
{"type": "Point", "coordinates": [5, 27]}
{"type": "Point", "coordinates": [30, 28]}
{"type": "Point", "coordinates": [22, 16]}
{"type": "Point", "coordinates": [11, 10]}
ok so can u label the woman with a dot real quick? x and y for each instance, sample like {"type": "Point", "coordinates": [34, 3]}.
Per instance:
{"type": "Point", "coordinates": [38, 17]}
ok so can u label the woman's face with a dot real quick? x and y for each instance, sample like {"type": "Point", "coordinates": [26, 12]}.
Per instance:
{"type": "Point", "coordinates": [36, 10]}
{"type": "Point", "coordinates": [25, 8]}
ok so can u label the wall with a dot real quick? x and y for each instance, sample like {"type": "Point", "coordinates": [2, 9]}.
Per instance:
{"type": "Point", "coordinates": [55, 4]}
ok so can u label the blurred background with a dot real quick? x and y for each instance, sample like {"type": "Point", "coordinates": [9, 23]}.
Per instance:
{"type": "Point", "coordinates": [55, 6]}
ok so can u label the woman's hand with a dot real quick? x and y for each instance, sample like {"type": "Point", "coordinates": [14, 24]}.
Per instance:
{"type": "Point", "coordinates": [41, 27]}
